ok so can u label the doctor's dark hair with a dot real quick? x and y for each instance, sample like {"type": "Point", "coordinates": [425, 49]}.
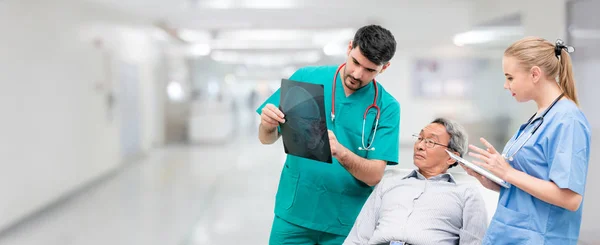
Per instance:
{"type": "Point", "coordinates": [376, 43]}
{"type": "Point", "coordinates": [555, 62]}
{"type": "Point", "coordinates": [458, 136]}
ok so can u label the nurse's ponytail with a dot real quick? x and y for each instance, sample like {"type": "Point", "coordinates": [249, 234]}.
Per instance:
{"type": "Point", "coordinates": [552, 58]}
{"type": "Point", "coordinates": [565, 77]}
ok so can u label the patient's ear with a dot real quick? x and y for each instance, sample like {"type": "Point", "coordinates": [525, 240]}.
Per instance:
{"type": "Point", "coordinates": [451, 160]}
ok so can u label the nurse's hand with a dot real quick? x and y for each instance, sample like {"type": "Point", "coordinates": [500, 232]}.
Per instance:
{"type": "Point", "coordinates": [491, 159]}
{"type": "Point", "coordinates": [271, 116]}
{"type": "Point", "coordinates": [337, 149]}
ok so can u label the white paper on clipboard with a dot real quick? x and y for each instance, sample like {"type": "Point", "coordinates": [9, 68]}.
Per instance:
{"type": "Point", "coordinates": [479, 170]}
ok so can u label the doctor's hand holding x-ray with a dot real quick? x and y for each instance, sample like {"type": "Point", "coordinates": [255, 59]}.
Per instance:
{"type": "Point", "coordinates": [546, 160]}
{"type": "Point", "coordinates": [271, 117]}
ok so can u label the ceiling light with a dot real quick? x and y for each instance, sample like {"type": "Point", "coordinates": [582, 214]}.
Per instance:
{"type": "Point", "coordinates": [264, 34]}
{"type": "Point", "coordinates": [270, 59]}
{"type": "Point", "coordinates": [487, 35]}
{"type": "Point", "coordinates": [254, 4]}
{"type": "Point", "coordinates": [268, 4]}
{"type": "Point", "coordinates": [334, 49]}
{"type": "Point", "coordinates": [175, 91]}
{"type": "Point", "coordinates": [266, 44]}
{"type": "Point", "coordinates": [219, 4]}
{"type": "Point", "coordinates": [160, 35]}
{"type": "Point", "coordinates": [199, 49]}
{"type": "Point", "coordinates": [328, 36]}
{"type": "Point", "coordinates": [193, 36]}
{"type": "Point", "coordinates": [281, 38]}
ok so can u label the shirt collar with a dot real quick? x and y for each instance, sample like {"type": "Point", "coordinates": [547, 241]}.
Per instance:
{"type": "Point", "coordinates": [441, 177]}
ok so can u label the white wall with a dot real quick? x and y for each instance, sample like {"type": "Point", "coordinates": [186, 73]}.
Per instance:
{"type": "Point", "coordinates": [55, 132]}
{"type": "Point", "coordinates": [587, 84]}
{"type": "Point", "coordinates": [586, 78]}
{"type": "Point", "coordinates": [151, 84]}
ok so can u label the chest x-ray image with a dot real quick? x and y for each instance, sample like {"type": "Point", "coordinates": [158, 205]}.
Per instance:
{"type": "Point", "coordinates": [304, 132]}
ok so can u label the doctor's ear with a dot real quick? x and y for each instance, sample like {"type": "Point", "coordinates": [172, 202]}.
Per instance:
{"type": "Point", "coordinates": [384, 67]}
{"type": "Point", "coordinates": [349, 48]}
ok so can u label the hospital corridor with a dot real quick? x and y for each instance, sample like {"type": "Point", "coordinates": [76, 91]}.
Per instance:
{"type": "Point", "coordinates": [137, 122]}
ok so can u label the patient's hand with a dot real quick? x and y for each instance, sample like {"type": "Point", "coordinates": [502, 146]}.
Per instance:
{"type": "Point", "coordinates": [482, 179]}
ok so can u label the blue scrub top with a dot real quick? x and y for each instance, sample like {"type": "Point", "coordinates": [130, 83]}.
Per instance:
{"type": "Point", "coordinates": [559, 152]}
{"type": "Point", "coordinates": [326, 197]}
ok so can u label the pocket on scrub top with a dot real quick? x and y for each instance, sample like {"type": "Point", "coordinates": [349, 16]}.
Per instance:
{"type": "Point", "coordinates": [286, 193]}
{"type": "Point", "coordinates": [512, 227]}
{"type": "Point", "coordinates": [351, 203]}
{"type": "Point", "coordinates": [513, 218]}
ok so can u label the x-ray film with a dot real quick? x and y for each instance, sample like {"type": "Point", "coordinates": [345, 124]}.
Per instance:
{"type": "Point", "coordinates": [304, 132]}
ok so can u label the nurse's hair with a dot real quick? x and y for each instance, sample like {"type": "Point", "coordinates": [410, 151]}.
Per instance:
{"type": "Point", "coordinates": [553, 59]}
{"type": "Point", "coordinates": [458, 136]}
{"type": "Point", "coordinates": [376, 43]}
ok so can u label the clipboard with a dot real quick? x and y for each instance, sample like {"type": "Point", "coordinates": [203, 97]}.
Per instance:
{"type": "Point", "coordinates": [479, 170]}
{"type": "Point", "coordinates": [304, 132]}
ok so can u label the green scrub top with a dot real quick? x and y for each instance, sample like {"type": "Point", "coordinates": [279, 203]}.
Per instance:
{"type": "Point", "coordinates": [326, 197]}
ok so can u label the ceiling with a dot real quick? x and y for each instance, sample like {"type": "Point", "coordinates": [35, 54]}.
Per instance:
{"type": "Point", "coordinates": [282, 33]}
{"type": "Point", "coordinates": [274, 14]}
{"type": "Point", "coordinates": [407, 16]}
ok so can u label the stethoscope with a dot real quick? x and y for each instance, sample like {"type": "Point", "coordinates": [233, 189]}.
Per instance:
{"type": "Point", "coordinates": [364, 147]}
{"type": "Point", "coordinates": [541, 119]}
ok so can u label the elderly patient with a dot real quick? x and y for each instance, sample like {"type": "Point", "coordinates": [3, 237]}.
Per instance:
{"type": "Point", "coordinates": [426, 206]}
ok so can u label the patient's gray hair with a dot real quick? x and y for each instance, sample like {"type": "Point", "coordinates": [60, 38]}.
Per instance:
{"type": "Point", "coordinates": [458, 136]}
